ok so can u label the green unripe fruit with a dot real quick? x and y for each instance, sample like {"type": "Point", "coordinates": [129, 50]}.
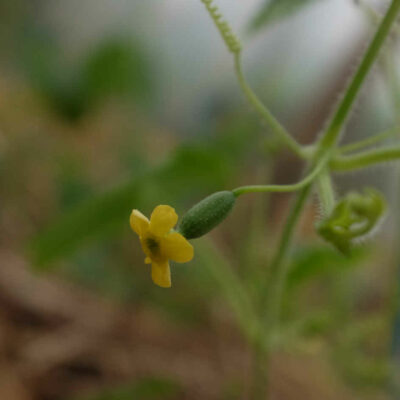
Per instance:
{"type": "Point", "coordinates": [206, 215]}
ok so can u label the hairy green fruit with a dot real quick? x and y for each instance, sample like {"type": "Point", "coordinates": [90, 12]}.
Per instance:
{"type": "Point", "coordinates": [206, 215]}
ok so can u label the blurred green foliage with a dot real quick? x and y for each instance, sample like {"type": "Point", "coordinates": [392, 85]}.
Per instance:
{"type": "Point", "coordinates": [361, 352]}
{"type": "Point", "coordinates": [193, 170]}
{"type": "Point", "coordinates": [312, 261]}
{"type": "Point", "coordinates": [274, 10]}
{"type": "Point", "coordinates": [98, 214]}
{"type": "Point", "coordinates": [115, 67]}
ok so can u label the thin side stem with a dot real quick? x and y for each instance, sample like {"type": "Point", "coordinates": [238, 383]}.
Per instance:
{"type": "Point", "coordinates": [279, 266]}
{"type": "Point", "coordinates": [269, 312]}
{"type": "Point", "coordinates": [365, 158]}
{"type": "Point", "coordinates": [283, 188]}
{"type": "Point", "coordinates": [232, 288]}
{"type": "Point", "coordinates": [370, 141]}
{"type": "Point", "coordinates": [331, 137]}
{"type": "Point", "coordinates": [265, 114]}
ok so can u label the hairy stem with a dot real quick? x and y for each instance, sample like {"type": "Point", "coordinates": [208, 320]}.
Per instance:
{"type": "Point", "coordinates": [326, 192]}
{"type": "Point", "coordinates": [331, 137]}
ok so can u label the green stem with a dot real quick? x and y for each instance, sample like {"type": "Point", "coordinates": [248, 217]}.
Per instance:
{"type": "Point", "coordinates": [283, 188]}
{"type": "Point", "coordinates": [365, 158]}
{"type": "Point", "coordinates": [231, 287]}
{"type": "Point", "coordinates": [326, 192]}
{"type": "Point", "coordinates": [263, 111]}
{"type": "Point", "coordinates": [370, 141]}
{"type": "Point", "coordinates": [270, 311]}
{"type": "Point", "coordinates": [331, 137]}
{"type": "Point", "coordinates": [279, 266]}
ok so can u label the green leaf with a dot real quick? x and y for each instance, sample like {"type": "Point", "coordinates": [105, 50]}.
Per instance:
{"type": "Point", "coordinates": [274, 10]}
{"type": "Point", "coordinates": [116, 66]}
{"type": "Point", "coordinates": [145, 389]}
{"type": "Point", "coordinates": [197, 166]}
{"type": "Point", "coordinates": [43, 62]}
{"type": "Point", "coordinates": [94, 216]}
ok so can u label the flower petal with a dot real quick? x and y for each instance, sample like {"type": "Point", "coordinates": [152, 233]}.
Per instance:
{"type": "Point", "coordinates": [175, 247]}
{"type": "Point", "coordinates": [139, 223]}
{"type": "Point", "coordinates": [161, 274]}
{"type": "Point", "coordinates": [163, 219]}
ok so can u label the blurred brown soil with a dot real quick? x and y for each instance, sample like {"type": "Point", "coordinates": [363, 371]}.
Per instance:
{"type": "Point", "coordinates": [57, 341]}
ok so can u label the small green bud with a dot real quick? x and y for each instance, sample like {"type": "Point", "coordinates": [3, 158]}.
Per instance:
{"type": "Point", "coordinates": [206, 215]}
{"type": "Point", "coordinates": [353, 218]}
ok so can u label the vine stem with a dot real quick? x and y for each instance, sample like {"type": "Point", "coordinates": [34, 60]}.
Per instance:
{"type": "Point", "coordinates": [325, 146]}
{"type": "Point", "coordinates": [331, 137]}
{"type": "Point", "coordinates": [265, 114]}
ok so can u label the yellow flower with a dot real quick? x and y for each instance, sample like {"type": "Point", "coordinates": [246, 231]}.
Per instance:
{"type": "Point", "coordinates": [160, 243]}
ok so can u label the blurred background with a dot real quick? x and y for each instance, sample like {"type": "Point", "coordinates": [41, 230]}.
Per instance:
{"type": "Point", "coordinates": [107, 106]}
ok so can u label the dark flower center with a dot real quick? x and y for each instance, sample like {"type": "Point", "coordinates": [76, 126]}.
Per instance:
{"type": "Point", "coordinates": [152, 245]}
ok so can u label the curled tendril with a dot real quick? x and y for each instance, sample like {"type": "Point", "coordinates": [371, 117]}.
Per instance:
{"type": "Point", "coordinates": [230, 39]}
{"type": "Point", "coordinates": [353, 218]}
